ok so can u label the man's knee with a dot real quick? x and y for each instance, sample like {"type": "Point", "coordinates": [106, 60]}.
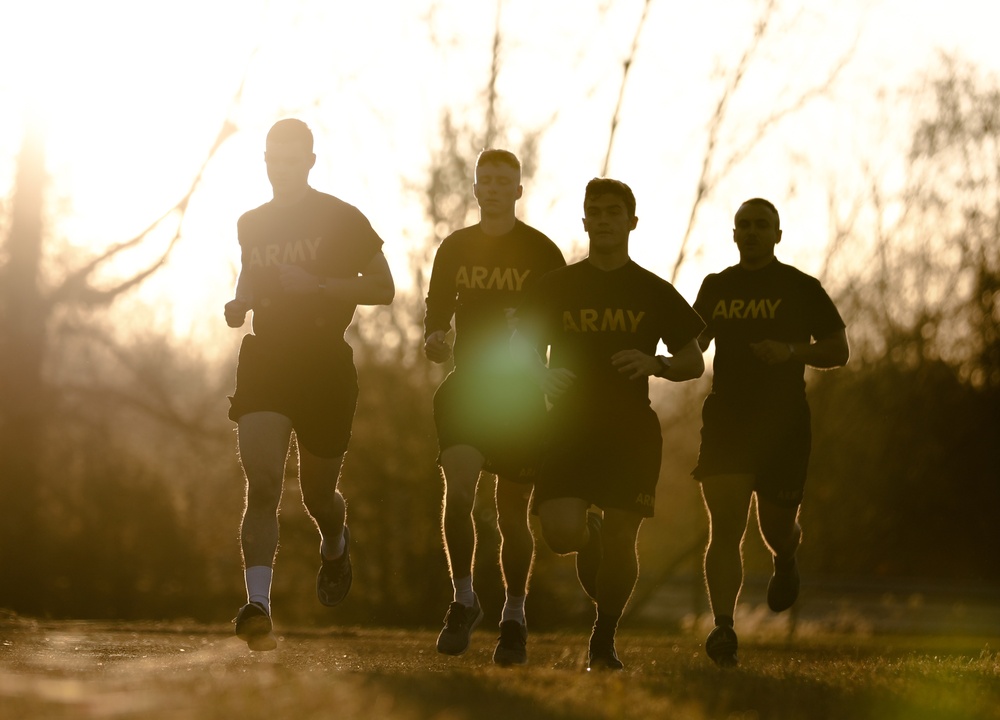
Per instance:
{"type": "Point", "coordinates": [779, 526]}
{"type": "Point", "coordinates": [263, 495]}
{"type": "Point", "coordinates": [264, 477]}
{"type": "Point", "coordinates": [560, 541]}
{"type": "Point", "coordinates": [620, 531]}
{"type": "Point", "coordinates": [727, 499]}
{"type": "Point", "coordinates": [512, 506]}
{"type": "Point", "coordinates": [460, 482]}
{"type": "Point", "coordinates": [563, 533]}
{"type": "Point", "coordinates": [516, 533]}
{"type": "Point", "coordinates": [460, 491]}
{"type": "Point", "coordinates": [726, 531]}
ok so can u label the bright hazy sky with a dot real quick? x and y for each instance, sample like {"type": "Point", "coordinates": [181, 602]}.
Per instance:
{"type": "Point", "coordinates": [132, 94]}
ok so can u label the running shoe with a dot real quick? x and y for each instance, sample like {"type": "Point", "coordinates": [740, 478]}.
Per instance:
{"type": "Point", "coordinates": [588, 560]}
{"type": "Point", "coordinates": [253, 626]}
{"type": "Point", "coordinates": [512, 646]}
{"type": "Point", "coordinates": [334, 578]}
{"type": "Point", "coordinates": [602, 654]}
{"type": "Point", "coordinates": [783, 588]}
{"type": "Point", "coordinates": [721, 646]}
{"type": "Point", "coordinates": [459, 623]}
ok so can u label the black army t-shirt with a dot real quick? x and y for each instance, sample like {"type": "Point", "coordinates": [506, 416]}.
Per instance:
{"type": "Point", "coordinates": [476, 278]}
{"type": "Point", "coordinates": [777, 302]}
{"type": "Point", "coordinates": [586, 315]}
{"type": "Point", "coordinates": [322, 234]}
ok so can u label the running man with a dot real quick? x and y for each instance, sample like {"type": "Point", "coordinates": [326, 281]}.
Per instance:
{"type": "Point", "coordinates": [601, 320]}
{"type": "Point", "coordinates": [487, 413]}
{"type": "Point", "coordinates": [769, 321]}
{"type": "Point", "coordinates": [308, 260]}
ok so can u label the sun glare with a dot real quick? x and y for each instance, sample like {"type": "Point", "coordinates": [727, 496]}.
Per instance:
{"type": "Point", "coordinates": [128, 100]}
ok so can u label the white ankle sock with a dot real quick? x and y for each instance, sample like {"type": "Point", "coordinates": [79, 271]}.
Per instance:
{"type": "Point", "coordinates": [258, 579]}
{"type": "Point", "coordinates": [334, 549]}
{"type": "Point", "coordinates": [513, 609]}
{"type": "Point", "coordinates": [463, 591]}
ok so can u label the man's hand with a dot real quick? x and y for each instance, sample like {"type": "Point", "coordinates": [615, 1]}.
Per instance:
{"type": "Point", "coordinates": [771, 352]}
{"type": "Point", "coordinates": [635, 363]}
{"type": "Point", "coordinates": [236, 312]}
{"type": "Point", "coordinates": [554, 382]}
{"type": "Point", "coordinates": [436, 347]}
{"type": "Point", "coordinates": [297, 281]}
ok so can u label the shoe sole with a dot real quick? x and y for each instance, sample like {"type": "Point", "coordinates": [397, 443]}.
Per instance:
{"type": "Point", "coordinates": [603, 665]}
{"type": "Point", "coordinates": [510, 662]}
{"type": "Point", "coordinates": [724, 655]}
{"type": "Point", "coordinates": [256, 633]}
{"type": "Point", "coordinates": [325, 600]}
{"type": "Point", "coordinates": [784, 597]}
{"type": "Point", "coordinates": [503, 659]}
{"type": "Point", "coordinates": [779, 607]}
{"type": "Point", "coordinates": [475, 624]}
{"type": "Point", "coordinates": [262, 643]}
{"type": "Point", "coordinates": [725, 660]}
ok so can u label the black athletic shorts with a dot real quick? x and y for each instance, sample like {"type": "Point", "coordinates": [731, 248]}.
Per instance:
{"type": "Point", "coordinates": [607, 457]}
{"type": "Point", "coordinates": [765, 438]}
{"type": "Point", "coordinates": [502, 416]}
{"type": "Point", "coordinates": [316, 387]}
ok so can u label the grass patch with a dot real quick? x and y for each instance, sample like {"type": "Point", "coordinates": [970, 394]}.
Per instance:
{"type": "Point", "coordinates": [73, 670]}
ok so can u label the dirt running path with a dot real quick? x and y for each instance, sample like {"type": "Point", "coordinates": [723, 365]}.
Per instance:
{"type": "Point", "coordinates": [111, 670]}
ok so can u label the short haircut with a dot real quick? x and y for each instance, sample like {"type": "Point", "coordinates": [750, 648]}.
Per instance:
{"type": "Point", "coordinates": [607, 186]}
{"type": "Point", "coordinates": [494, 156]}
{"type": "Point", "coordinates": [769, 205]}
{"type": "Point", "coordinates": [291, 130]}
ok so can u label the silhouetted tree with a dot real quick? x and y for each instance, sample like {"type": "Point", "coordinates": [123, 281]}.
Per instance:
{"type": "Point", "coordinates": [39, 304]}
{"type": "Point", "coordinates": [924, 281]}
{"type": "Point", "coordinates": [907, 464]}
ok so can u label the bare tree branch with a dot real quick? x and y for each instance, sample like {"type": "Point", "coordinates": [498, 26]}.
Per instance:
{"type": "Point", "coordinates": [714, 170]}
{"type": "Point", "coordinates": [141, 366]}
{"type": "Point", "coordinates": [76, 286]}
{"type": "Point", "coordinates": [771, 121]}
{"type": "Point", "coordinates": [840, 230]}
{"type": "Point", "coordinates": [627, 65]}
{"type": "Point", "coordinates": [491, 87]}
{"type": "Point", "coordinates": [706, 180]}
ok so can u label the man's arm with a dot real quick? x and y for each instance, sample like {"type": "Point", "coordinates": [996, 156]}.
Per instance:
{"type": "Point", "coordinates": [686, 364]}
{"type": "Point", "coordinates": [374, 286]}
{"type": "Point", "coordinates": [439, 306]}
{"type": "Point", "coordinates": [832, 351]}
{"type": "Point", "coordinates": [825, 353]}
{"type": "Point", "coordinates": [237, 308]}
{"type": "Point", "coordinates": [552, 381]}
{"type": "Point", "coordinates": [436, 347]}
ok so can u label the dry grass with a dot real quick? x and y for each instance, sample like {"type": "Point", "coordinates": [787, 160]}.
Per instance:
{"type": "Point", "coordinates": [103, 670]}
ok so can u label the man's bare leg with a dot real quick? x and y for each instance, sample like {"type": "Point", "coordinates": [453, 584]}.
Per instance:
{"type": "Point", "coordinates": [263, 439]}
{"type": "Point", "coordinates": [727, 499]}
{"type": "Point", "coordinates": [460, 465]}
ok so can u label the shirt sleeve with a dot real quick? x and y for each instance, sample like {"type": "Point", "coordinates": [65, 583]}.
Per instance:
{"type": "Point", "coordinates": [703, 306]}
{"type": "Point", "coordinates": [442, 293]}
{"type": "Point", "coordinates": [370, 243]}
{"type": "Point", "coordinates": [683, 323]}
{"type": "Point", "coordinates": [825, 319]}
